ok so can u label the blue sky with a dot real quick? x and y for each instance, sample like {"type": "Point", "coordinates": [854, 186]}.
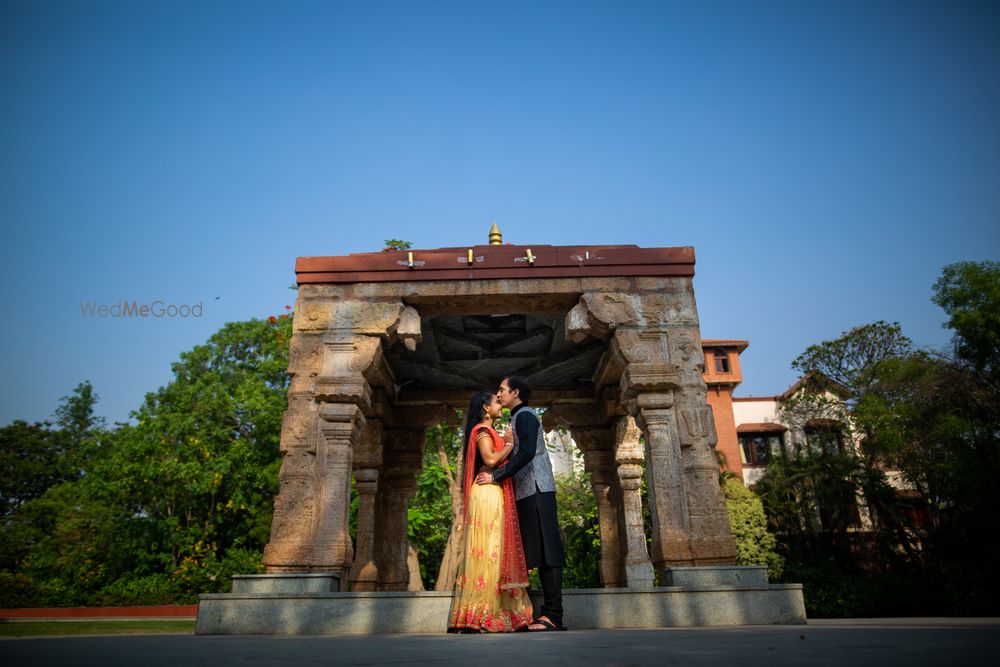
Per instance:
{"type": "Point", "coordinates": [825, 159]}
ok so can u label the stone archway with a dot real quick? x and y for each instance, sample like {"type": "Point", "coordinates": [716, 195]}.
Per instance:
{"type": "Point", "coordinates": [387, 344]}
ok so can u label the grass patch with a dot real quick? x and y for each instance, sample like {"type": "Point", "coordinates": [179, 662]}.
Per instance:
{"type": "Point", "coordinates": [53, 628]}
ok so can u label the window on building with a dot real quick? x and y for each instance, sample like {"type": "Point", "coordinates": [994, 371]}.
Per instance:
{"type": "Point", "coordinates": [721, 361]}
{"type": "Point", "coordinates": [824, 438]}
{"type": "Point", "coordinates": [759, 449]}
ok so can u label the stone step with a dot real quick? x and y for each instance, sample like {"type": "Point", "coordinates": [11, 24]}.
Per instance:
{"type": "Point", "coordinates": [427, 612]}
{"type": "Point", "coordinates": [290, 584]}
{"type": "Point", "coordinates": [717, 575]}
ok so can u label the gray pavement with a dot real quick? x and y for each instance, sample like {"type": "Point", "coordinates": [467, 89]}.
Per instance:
{"type": "Point", "coordinates": [854, 642]}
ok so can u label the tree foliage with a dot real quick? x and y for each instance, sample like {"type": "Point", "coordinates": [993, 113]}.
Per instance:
{"type": "Point", "coordinates": [29, 463]}
{"type": "Point", "coordinates": [430, 513]}
{"type": "Point", "coordinates": [157, 510]}
{"type": "Point", "coordinates": [853, 360]}
{"type": "Point", "coordinates": [969, 293]}
{"type": "Point", "coordinates": [576, 509]}
{"type": "Point", "coordinates": [933, 417]}
{"type": "Point", "coordinates": [396, 244]}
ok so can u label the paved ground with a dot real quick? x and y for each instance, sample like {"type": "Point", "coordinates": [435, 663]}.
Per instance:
{"type": "Point", "coordinates": [881, 642]}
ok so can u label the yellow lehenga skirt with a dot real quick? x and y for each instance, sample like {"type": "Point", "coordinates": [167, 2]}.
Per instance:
{"type": "Point", "coordinates": [479, 603]}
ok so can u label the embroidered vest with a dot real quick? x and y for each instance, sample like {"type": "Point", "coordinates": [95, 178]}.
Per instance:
{"type": "Point", "coordinates": [537, 475]}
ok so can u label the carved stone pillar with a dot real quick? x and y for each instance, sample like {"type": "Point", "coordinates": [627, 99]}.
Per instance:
{"type": "Point", "coordinates": [629, 457]}
{"type": "Point", "coordinates": [656, 360]}
{"type": "Point", "coordinates": [403, 461]}
{"type": "Point", "coordinates": [290, 546]}
{"type": "Point", "coordinates": [711, 536]}
{"type": "Point", "coordinates": [598, 458]}
{"type": "Point", "coordinates": [368, 461]}
{"type": "Point", "coordinates": [335, 355]}
{"type": "Point", "coordinates": [666, 482]}
{"type": "Point", "coordinates": [340, 426]}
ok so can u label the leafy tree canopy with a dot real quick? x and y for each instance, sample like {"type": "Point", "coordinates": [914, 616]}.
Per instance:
{"type": "Point", "coordinates": [853, 360]}
{"type": "Point", "coordinates": [969, 293]}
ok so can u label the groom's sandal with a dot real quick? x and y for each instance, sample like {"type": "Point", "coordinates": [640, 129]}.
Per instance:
{"type": "Point", "coordinates": [547, 626]}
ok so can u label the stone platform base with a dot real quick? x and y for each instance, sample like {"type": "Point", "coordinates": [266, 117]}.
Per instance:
{"type": "Point", "coordinates": [282, 605]}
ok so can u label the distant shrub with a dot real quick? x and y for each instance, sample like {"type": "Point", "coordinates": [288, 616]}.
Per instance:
{"type": "Point", "coordinates": [18, 590]}
{"type": "Point", "coordinates": [754, 544]}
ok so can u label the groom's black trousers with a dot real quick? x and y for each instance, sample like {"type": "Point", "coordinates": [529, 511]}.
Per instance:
{"type": "Point", "coordinates": [543, 549]}
{"type": "Point", "coordinates": [552, 607]}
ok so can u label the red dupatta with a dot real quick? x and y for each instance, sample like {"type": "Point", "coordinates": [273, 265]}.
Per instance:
{"type": "Point", "coordinates": [513, 573]}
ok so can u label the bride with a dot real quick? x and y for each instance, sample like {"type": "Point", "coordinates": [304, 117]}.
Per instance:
{"type": "Point", "coordinates": [491, 587]}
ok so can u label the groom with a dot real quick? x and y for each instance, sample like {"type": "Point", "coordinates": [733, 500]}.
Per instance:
{"type": "Point", "coordinates": [536, 498]}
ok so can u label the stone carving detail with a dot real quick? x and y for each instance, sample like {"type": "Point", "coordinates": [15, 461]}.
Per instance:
{"type": "Point", "coordinates": [598, 314]}
{"type": "Point", "coordinates": [630, 346]}
{"type": "Point", "coordinates": [670, 535]}
{"type": "Point", "coordinates": [409, 328]}
{"type": "Point", "coordinates": [346, 355]}
{"type": "Point", "coordinates": [698, 424]}
{"type": "Point", "coordinates": [686, 348]}
{"type": "Point", "coordinates": [311, 316]}
{"type": "Point", "coordinates": [366, 317]}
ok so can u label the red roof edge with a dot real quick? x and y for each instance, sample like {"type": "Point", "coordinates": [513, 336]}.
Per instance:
{"type": "Point", "coordinates": [497, 262]}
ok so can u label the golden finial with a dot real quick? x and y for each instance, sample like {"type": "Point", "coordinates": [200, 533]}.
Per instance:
{"type": "Point", "coordinates": [496, 238]}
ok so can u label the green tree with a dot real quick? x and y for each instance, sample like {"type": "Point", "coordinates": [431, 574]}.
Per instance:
{"type": "Point", "coordinates": [171, 505]}
{"type": "Point", "coordinates": [853, 360]}
{"type": "Point", "coordinates": [35, 457]}
{"type": "Point", "coordinates": [75, 416]}
{"type": "Point", "coordinates": [969, 293]}
{"type": "Point", "coordinates": [202, 459]}
{"type": "Point", "coordinates": [29, 463]}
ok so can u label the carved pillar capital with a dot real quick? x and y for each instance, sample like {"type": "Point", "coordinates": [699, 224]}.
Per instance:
{"type": "Point", "coordinates": [341, 423]}
{"type": "Point", "coordinates": [598, 314]}
{"type": "Point", "coordinates": [391, 319]}
{"type": "Point", "coordinates": [352, 334]}
{"type": "Point", "coordinates": [346, 357]}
